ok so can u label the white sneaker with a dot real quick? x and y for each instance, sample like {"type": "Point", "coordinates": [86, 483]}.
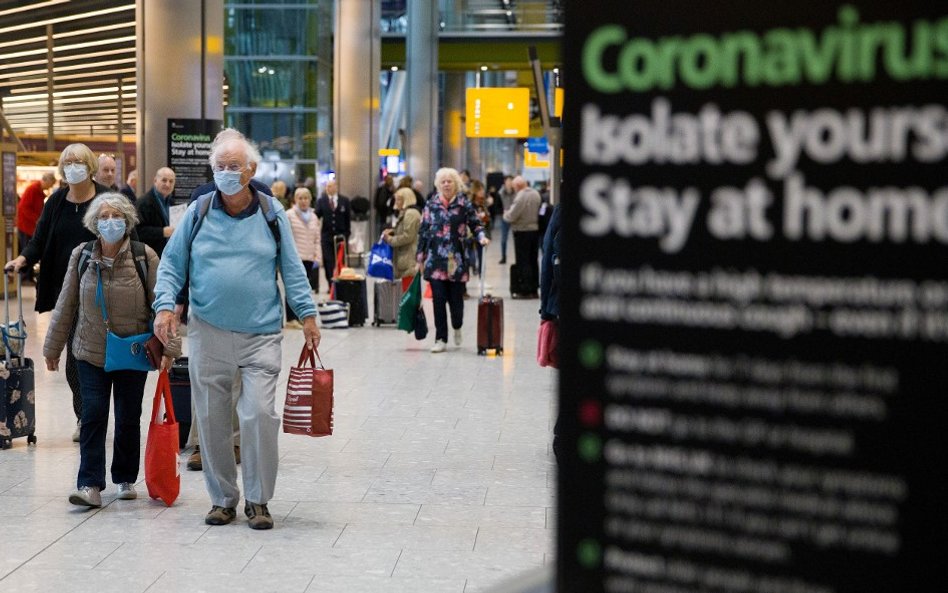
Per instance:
{"type": "Point", "coordinates": [87, 496]}
{"type": "Point", "coordinates": [457, 337]}
{"type": "Point", "coordinates": [126, 491]}
{"type": "Point", "coordinates": [439, 347]}
{"type": "Point", "coordinates": [75, 434]}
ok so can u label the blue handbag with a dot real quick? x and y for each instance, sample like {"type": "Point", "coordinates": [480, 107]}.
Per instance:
{"type": "Point", "coordinates": [123, 354]}
{"type": "Point", "coordinates": [380, 261]}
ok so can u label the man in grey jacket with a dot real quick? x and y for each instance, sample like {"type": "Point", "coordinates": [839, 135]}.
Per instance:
{"type": "Point", "coordinates": [522, 216]}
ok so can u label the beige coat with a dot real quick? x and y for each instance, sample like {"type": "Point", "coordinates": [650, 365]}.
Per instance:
{"type": "Point", "coordinates": [129, 311]}
{"type": "Point", "coordinates": [306, 236]}
{"type": "Point", "coordinates": [404, 242]}
{"type": "Point", "coordinates": [524, 213]}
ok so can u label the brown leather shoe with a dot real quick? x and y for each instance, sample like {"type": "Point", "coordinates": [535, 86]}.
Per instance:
{"type": "Point", "coordinates": [258, 517]}
{"type": "Point", "coordinates": [220, 515]}
{"type": "Point", "coordinates": [194, 461]}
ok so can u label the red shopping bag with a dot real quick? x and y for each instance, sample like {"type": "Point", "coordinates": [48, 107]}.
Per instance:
{"type": "Point", "coordinates": [309, 399]}
{"type": "Point", "coordinates": [548, 342]}
{"type": "Point", "coordinates": [161, 450]}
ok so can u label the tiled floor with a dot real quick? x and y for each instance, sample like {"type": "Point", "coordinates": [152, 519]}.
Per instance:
{"type": "Point", "coordinates": [439, 478]}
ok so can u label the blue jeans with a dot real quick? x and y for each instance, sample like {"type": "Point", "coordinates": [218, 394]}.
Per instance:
{"type": "Point", "coordinates": [444, 293]}
{"type": "Point", "coordinates": [128, 389]}
{"type": "Point", "coordinates": [504, 233]}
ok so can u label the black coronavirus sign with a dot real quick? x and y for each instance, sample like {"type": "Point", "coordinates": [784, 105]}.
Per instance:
{"type": "Point", "coordinates": [755, 297]}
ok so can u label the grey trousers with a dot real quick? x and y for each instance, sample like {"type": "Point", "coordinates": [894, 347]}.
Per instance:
{"type": "Point", "coordinates": [215, 357]}
{"type": "Point", "coordinates": [193, 433]}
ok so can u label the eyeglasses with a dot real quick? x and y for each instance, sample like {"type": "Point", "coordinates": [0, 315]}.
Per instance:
{"type": "Point", "coordinates": [232, 167]}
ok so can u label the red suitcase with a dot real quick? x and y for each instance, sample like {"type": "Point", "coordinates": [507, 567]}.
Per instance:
{"type": "Point", "coordinates": [490, 325]}
{"type": "Point", "coordinates": [490, 321]}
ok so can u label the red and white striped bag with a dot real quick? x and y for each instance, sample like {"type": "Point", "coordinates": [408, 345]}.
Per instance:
{"type": "Point", "coordinates": [308, 407]}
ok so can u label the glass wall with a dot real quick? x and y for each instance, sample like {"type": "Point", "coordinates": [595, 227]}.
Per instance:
{"type": "Point", "coordinates": [278, 65]}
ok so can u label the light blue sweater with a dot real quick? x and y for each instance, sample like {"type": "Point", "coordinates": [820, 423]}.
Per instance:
{"type": "Point", "coordinates": [232, 265]}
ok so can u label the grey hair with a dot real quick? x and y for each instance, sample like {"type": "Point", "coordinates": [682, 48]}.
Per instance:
{"type": "Point", "coordinates": [113, 200]}
{"type": "Point", "coordinates": [225, 137]}
{"type": "Point", "coordinates": [453, 174]}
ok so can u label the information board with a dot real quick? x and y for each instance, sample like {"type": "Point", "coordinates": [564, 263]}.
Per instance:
{"type": "Point", "coordinates": [497, 112]}
{"type": "Point", "coordinates": [189, 145]}
{"type": "Point", "coordinates": [754, 299]}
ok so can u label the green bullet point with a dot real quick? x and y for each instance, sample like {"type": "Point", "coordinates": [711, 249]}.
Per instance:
{"type": "Point", "coordinates": [590, 448]}
{"type": "Point", "coordinates": [589, 553]}
{"type": "Point", "coordinates": [590, 354]}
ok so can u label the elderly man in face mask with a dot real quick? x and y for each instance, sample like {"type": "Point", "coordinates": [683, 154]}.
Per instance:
{"type": "Point", "coordinates": [235, 323]}
{"type": "Point", "coordinates": [154, 226]}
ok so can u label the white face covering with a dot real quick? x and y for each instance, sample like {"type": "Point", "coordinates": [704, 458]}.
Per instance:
{"type": "Point", "coordinates": [76, 173]}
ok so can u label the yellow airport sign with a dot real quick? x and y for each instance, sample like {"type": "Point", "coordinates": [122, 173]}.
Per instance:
{"type": "Point", "coordinates": [389, 152]}
{"type": "Point", "coordinates": [558, 102]}
{"type": "Point", "coordinates": [534, 160]}
{"type": "Point", "coordinates": [498, 113]}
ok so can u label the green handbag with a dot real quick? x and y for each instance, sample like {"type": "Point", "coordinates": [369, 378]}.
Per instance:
{"type": "Point", "coordinates": [408, 306]}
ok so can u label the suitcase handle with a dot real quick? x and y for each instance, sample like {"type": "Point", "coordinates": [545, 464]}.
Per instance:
{"type": "Point", "coordinates": [19, 300]}
{"type": "Point", "coordinates": [483, 270]}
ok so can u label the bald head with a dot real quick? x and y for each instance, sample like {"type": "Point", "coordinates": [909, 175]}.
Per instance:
{"type": "Point", "coordinates": [106, 173]}
{"type": "Point", "coordinates": [164, 181]}
{"type": "Point", "coordinates": [519, 183]}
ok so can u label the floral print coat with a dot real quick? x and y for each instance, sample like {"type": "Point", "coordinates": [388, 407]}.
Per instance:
{"type": "Point", "coordinates": [441, 237]}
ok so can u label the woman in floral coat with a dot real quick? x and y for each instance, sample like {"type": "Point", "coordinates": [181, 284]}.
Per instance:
{"type": "Point", "coordinates": [446, 220]}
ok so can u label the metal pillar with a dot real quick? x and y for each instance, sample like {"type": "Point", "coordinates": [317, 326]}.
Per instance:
{"type": "Point", "coordinates": [454, 142]}
{"type": "Point", "coordinates": [180, 50]}
{"type": "Point", "coordinates": [421, 58]}
{"type": "Point", "coordinates": [356, 90]}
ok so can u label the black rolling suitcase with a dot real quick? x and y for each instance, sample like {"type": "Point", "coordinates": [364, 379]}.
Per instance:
{"type": "Point", "coordinates": [388, 295]}
{"type": "Point", "coordinates": [17, 396]}
{"type": "Point", "coordinates": [353, 291]}
{"type": "Point", "coordinates": [181, 398]}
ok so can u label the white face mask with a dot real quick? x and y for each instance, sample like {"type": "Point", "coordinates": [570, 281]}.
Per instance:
{"type": "Point", "coordinates": [76, 173]}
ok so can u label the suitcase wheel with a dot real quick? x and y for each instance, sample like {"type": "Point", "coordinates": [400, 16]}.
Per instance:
{"type": "Point", "coordinates": [31, 439]}
{"type": "Point", "coordinates": [6, 443]}
{"type": "Point", "coordinates": [481, 352]}
{"type": "Point", "coordinates": [500, 352]}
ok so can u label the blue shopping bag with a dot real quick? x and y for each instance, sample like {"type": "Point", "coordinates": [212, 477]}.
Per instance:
{"type": "Point", "coordinates": [380, 261]}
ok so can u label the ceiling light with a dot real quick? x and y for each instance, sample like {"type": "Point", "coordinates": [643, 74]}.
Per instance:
{"type": "Point", "coordinates": [64, 19]}
{"type": "Point", "coordinates": [31, 6]}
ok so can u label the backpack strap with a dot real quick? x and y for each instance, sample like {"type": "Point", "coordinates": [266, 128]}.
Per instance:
{"type": "Point", "coordinates": [138, 254]}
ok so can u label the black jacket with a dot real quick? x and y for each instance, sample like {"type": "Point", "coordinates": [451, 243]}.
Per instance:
{"type": "Point", "coordinates": [336, 222]}
{"type": "Point", "coordinates": [152, 221]}
{"type": "Point", "coordinates": [45, 244]}
{"type": "Point", "coordinates": [550, 268]}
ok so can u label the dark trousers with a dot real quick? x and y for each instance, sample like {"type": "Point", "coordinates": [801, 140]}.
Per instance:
{"type": "Point", "coordinates": [312, 273]}
{"type": "Point", "coordinates": [526, 248]}
{"type": "Point", "coordinates": [329, 259]}
{"type": "Point", "coordinates": [445, 293]}
{"type": "Point", "coordinates": [128, 389]}
{"type": "Point", "coordinates": [72, 375]}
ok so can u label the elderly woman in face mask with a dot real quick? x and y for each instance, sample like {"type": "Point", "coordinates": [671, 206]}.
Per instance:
{"type": "Point", "coordinates": [306, 237]}
{"type": "Point", "coordinates": [58, 231]}
{"type": "Point", "coordinates": [110, 279]}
